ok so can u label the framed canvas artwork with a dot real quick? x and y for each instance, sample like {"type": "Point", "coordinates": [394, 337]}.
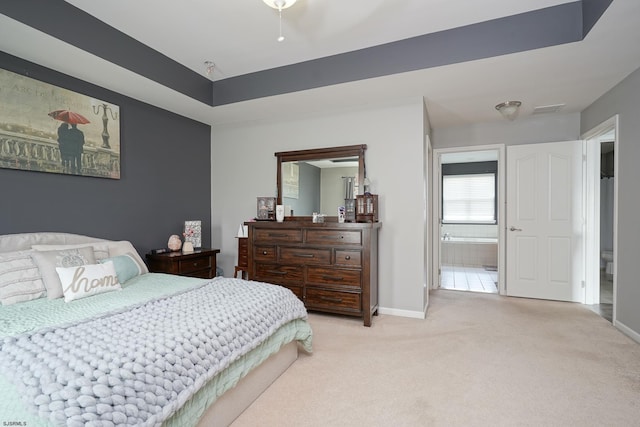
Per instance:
{"type": "Point", "coordinates": [46, 128]}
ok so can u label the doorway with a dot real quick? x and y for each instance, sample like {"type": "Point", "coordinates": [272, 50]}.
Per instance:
{"type": "Point", "coordinates": [602, 161]}
{"type": "Point", "coordinates": [468, 189]}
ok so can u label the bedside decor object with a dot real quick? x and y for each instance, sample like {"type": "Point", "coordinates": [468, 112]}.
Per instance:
{"type": "Point", "coordinates": [193, 233]}
{"type": "Point", "coordinates": [266, 208]}
{"type": "Point", "coordinates": [174, 242]}
{"type": "Point", "coordinates": [279, 213]}
{"type": "Point", "coordinates": [367, 208]}
{"type": "Point", "coordinates": [187, 247]}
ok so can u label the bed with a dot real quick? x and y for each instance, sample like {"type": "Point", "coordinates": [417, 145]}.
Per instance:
{"type": "Point", "coordinates": [122, 346]}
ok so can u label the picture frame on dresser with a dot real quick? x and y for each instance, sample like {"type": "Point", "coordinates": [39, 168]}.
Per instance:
{"type": "Point", "coordinates": [266, 209]}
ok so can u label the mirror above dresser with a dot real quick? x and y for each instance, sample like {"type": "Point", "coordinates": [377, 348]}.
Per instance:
{"type": "Point", "coordinates": [316, 180]}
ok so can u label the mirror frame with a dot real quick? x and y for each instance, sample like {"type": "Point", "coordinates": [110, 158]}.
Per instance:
{"type": "Point", "coordinates": [321, 154]}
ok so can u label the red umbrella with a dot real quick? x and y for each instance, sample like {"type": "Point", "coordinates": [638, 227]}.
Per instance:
{"type": "Point", "coordinates": [69, 117]}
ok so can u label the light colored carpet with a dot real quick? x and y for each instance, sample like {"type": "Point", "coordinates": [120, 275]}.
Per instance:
{"type": "Point", "coordinates": [477, 360]}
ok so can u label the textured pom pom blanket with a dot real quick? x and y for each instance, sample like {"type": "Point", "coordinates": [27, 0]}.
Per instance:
{"type": "Point", "coordinates": [139, 365]}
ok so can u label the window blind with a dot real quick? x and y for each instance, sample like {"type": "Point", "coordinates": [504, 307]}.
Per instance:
{"type": "Point", "coordinates": [469, 198]}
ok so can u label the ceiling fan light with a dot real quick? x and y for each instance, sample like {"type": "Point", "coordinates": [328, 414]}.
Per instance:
{"type": "Point", "coordinates": [509, 109]}
{"type": "Point", "coordinates": [279, 4]}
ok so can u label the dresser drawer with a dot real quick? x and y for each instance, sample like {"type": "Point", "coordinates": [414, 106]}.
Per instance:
{"type": "Point", "coordinates": [264, 253]}
{"type": "Point", "coordinates": [279, 274]}
{"type": "Point", "coordinates": [333, 300]}
{"type": "Point", "coordinates": [194, 264]}
{"type": "Point", "coordinates": [284, 235]}
{"type": "Point", "coordinates": [304, 256]}
{"type": "Point", "coordinates": [333, 276]}
{"type": "Point", "coordinates": [334, 237]}
{"type": "Point", "coordinates": [348, 258]}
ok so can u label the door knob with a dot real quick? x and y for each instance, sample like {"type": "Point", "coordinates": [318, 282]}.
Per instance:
{"type": "Point", "coordinates": [512, 228]}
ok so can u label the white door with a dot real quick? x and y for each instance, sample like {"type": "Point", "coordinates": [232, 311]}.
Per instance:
{"type": "Point", "coordinates": [545, 221]}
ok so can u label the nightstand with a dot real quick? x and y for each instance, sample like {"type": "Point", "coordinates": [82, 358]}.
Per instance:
{"type": "Point", "coordinates": [199, 263]}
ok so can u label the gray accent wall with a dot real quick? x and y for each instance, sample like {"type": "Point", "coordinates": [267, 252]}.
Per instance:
{"type": "Point", "coordinates": [165, 177]}
{"type": "Point", "coordinates": [624, 100]}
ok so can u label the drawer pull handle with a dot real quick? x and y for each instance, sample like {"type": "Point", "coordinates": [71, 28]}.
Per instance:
{"type": "Point", "coordinates": [277, 235]}
{"type": "Point", "coordinates": [336, 300]}
{"type": "Point", "coordinates": [348, 257]}
{"type": "Point", "coordinates": [264, 252]}
{"type": "Point", "coordinates": [332, 277]}
{"type": "Point", "coordinates": [282, 273]}
{"type": "Point", "coordinates": [304, 255]}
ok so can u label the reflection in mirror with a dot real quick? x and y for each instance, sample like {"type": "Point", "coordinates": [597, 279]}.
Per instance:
{"type": "Point", "coordinates": [318, 186]}
{"type": "Point", "coordinates": [319, 180]}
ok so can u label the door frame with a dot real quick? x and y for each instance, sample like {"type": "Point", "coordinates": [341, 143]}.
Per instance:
{"type": "Point", "coordinates": [436, 182]}
{"type": "Point", "coordinates": [592, 277]}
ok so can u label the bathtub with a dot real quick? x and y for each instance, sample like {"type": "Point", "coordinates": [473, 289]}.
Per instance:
{"type": "Point", "coordinates": [469, 251]}
{"type": "Point", "coordinates": [470, 240]}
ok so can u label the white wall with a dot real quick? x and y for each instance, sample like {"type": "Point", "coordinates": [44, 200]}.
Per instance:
{"type": "Point", "coordinates": [244, 167]}
{"type": "Point", "coordinates": [524, 130]}
{"type": "Point", "coordinates": [624, 100]}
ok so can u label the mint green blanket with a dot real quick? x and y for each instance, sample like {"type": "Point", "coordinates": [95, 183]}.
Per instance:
{"type": "Point", "coordinates": [34, 315]}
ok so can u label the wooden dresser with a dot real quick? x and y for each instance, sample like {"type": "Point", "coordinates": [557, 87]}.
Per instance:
{"type": "Point", "coordinates": [332, 267]}
{"type": "Point", "coordinates": [243, 259]}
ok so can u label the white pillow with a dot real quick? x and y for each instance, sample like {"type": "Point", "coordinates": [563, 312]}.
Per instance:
{"type": "Point", "coordinates": [47, 261]}
{"type": "Point", "coordinates": [100, 249]}
{"type": "Point", "coordinates": [20, 278]}
{"type": "Point", "coordinates": [86, 280]}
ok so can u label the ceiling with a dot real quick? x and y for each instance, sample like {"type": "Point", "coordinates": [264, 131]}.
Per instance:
{"type": "Point", "coordinates": [239, 37]}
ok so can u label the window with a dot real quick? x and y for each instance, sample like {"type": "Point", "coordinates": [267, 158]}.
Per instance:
{"type": "Point", "coordinates": [469, 198]}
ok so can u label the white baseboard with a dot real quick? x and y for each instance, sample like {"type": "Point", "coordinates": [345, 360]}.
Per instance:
{"type": "Point", "coordinates": [627, 331]}
{"type": "Point", "coordinates": [401, 313]}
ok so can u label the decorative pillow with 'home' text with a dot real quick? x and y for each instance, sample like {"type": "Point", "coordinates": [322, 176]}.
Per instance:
{"type": "Point", "coordinates": [86, 280]}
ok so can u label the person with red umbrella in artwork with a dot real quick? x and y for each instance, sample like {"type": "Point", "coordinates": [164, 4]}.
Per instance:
{"type": "Point", "coordinates": [70, 140]}
{"type": "Point", "coordinates": [64, 147]}
{"type": "Point", "coordinates": [76, 139]}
